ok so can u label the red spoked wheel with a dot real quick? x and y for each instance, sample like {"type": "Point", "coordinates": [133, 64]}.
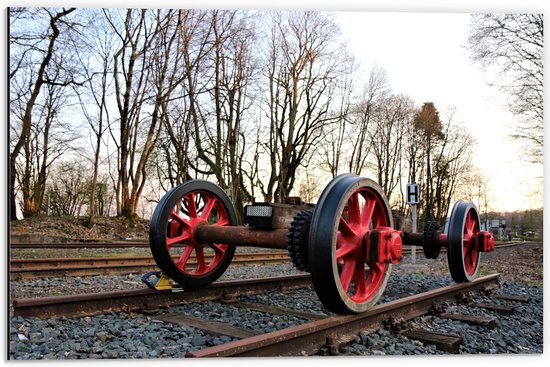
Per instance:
{"type": "Point", "coordinates": [348, 208]}
{"type": "Point", "coordinates": [462, 253]}
{"type": "Point", "coordinates": [176, 251]}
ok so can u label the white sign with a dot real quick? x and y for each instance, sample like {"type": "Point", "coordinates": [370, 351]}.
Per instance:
{"type": "Point", "coordinates": [413, 194]}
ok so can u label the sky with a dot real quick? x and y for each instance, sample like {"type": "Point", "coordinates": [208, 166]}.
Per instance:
{"type": "Point", "coordinates": [425, 58]}
{"type": "Point", "coordinates": [421, 48]}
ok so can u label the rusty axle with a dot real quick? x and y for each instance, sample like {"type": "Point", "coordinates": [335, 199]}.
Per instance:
{"type": "Point", "coordinates": [415, 239]}
{"type": "Point", "coordinates": [242, 236]}
{"type": "Point", "coordinates": [275, 238]}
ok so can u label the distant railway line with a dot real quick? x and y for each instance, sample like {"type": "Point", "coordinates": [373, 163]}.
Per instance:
{"type": "Point", "coordinates": [25, 269]}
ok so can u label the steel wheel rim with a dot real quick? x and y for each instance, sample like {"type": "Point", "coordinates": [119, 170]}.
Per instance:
{"type": "Point", "coordinates": [323, 241]}
{"type": "Point", "coordinates": [462, 255]}
{"type": "Point", "coordinates": [365, 211]}
{"type": "Point", "coordinates": [470, 254]}
{"type": "Point", "coordinates": [192, 210]}
{"type": "Point", "coordinates": [177, 215]}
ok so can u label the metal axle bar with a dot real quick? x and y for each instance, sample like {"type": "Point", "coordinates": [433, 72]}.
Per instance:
{"type": "Point", "coordinates": [275, 238]}
{"type": "Point", "coordinates": [242, 236]}
{"type": "Point", "coordinates": [415, 239]}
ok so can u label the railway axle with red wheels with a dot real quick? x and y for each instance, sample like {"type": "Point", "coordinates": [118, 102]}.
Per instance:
{"type": "Point", "coordinates": [346, 241]}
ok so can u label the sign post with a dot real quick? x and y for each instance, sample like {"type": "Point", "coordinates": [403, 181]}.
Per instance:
{"type": "Point", "coordinates": [413, 198]}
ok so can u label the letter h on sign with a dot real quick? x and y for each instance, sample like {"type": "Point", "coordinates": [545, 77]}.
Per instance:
{"type": "Point", "coordinates": [413, 194]}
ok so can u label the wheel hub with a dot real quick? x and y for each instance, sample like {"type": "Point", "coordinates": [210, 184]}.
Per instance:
{"type": "Point", "coordinates": [383, 245]}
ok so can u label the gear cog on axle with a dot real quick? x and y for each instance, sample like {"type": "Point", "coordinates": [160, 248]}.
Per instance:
{"type": "Point", "coordinates": [430, 240]}
{"type": "Point", "coordinates": [297, 239]}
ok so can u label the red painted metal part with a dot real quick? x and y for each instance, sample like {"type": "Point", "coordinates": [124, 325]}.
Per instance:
{"type": "Point", "coordinates": [196, 208]}
{"type": "Point", "coordinates": [470, 248]}
{"type": "Point", "coordinates": [364, 209]}
{"type": "Point", "coordinates": [485, 241]}
{"type": "Point", "coordinates": [389, 245]}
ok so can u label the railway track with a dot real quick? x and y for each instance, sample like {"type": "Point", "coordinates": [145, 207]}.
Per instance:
{"type": "Point", "coordinates": [145, 244]}
{"type": "Point", "coordinates": [146, 299]}
{"type": "Point", "coordinates": [25, 269]}
{"type": "Point", "coordinates": [319, 334]}
{"type": "Point", "coordinates": [328, 335]}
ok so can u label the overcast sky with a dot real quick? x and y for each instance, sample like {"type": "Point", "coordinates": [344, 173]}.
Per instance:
{"type": "Point", "coordinates": [425, 58]}
{"type": "Point", "coordinates": [422, 52]}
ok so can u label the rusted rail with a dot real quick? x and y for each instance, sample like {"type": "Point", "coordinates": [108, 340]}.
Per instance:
{"type": "Point", "coordinates": [76, 245]}
{"type": "Point", "coordinates": [147, 299]}
{"type": "Point", "coordinates": [23, 269]}
{"type": "Point", "coordinates": [142, 244]}
{"type": "Point", "coordinates": [309, 337]}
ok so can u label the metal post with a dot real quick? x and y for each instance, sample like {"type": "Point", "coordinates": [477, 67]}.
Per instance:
{"type": "Point", "coordinates": [413, 248]}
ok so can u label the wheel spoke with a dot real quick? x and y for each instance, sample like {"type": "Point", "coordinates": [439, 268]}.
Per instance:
{"type": "Point", "coordinates": [184, 257]}
{"type": "Point", "coordinates": [375, 270]}
{"type": "Point", "coordinates": [360, 280]}
{"type": "Point", "coordinates": [171, 241]}
{"type": "Point", "coordinates": [470, 223]}
{"type": "Point", "coordinates": [222, 222]}
{"type": "Point", "coordinates": [378, 218]}
{"type": "Point", "coordinates": [343, 250]}
{"type": "Point", "coordinates": [368, 210]}
{"type": "Point", "coordinates": [347, 274]}
{"type": "Point", "coordinates": [353, 209]}
{"type": "Point", "coordinates": [191, 205]}
{"type": "Point", "coordinates": [210, 204]}
{"type": "Point", "coordinates": [345, 228]}
{"type": "Point", "coordinates": [218, 249]}
{"type": "Point", "coordinates": [470, 261]}
{"type": "Point", "coordinates": [175, 216]}
{"type": "Point", "coordinates": [201, 263]}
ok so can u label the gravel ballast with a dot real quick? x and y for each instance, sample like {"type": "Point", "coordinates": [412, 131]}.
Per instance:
{"type": "Point", "coordinates": [119, 336]}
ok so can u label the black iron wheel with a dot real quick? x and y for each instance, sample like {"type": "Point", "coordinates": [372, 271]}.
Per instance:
{"type": "Point", "coordinates": [462, 253]}
{"type": "Point", "coordinates": [347, 209]}
{"type": "Point", "coordinates": [175, 250]}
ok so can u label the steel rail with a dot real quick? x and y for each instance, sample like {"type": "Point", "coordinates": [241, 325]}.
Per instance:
{"type": "Point", "coordinates": [309, 337]}
{"type": "Point", "coordinates": [23, 269]}
{"type": "Point", "coordinates": [147, 299]}
{"type": "Point", "coordinates": [132, 244]}
{"type": "Point", "coordinates": [76, 245]}
{"type": "Point", "coordinates": [26, 269]}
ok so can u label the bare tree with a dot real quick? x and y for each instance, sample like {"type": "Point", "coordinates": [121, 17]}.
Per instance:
{"type": "Point", "coordinates": [49, 139]}
{"type": "Point", "coordinates": [67, 190]}
{"type": "Point", "coordinates": [178, 158]}
{"type": "Point", "coordinates": [514, 43]}
{"type": "Point", "coordinates": [303, 67]}
{"type": "Point", "coordinates": [376, 88]}
{"type": "Point", "coordinates": [473, 185]}
{"type": "Point", "coordinates": [36, 59]}
{"type": "Point", "coordinates": [451, 160]}
{"type": "Point", "coordinates": [96, 57]}
{"type": "Point", "coordinates": [335, 140]}
{"type": "Point", "coordinates": [390, 118]}
{"type": "Point", "coordinates": [147, 70]}
{"type": "Point", "coordinates": [220, 136]}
